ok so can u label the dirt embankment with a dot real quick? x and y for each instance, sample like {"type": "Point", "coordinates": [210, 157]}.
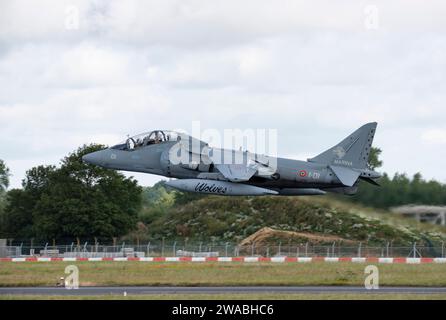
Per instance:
{"type": "Point", "coordinates": [268, 235]}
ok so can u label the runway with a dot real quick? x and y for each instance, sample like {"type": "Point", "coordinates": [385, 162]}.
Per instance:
{"type": "Point", "coordinates": [87, 291]}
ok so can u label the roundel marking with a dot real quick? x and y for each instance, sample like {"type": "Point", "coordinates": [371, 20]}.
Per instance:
{"type": "Point", "coordinates": [303, 173]}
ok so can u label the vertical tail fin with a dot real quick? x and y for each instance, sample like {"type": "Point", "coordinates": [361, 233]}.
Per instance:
{"type": "Point", "coordinates": [353, 151]}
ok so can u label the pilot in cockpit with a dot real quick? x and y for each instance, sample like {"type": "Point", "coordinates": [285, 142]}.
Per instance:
{"type": "Point", "coordinates": [157, 137]}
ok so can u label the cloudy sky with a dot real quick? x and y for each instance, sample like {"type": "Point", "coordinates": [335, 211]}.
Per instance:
{"type": "Point", "coordinates": [75, 72]}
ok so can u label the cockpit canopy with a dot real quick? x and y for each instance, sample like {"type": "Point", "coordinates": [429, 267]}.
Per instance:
{"type": "Point", "coordinates": [148, 138]}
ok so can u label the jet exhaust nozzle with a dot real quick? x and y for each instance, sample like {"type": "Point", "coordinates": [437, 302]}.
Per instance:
{"type": "Point", "coordinates": [218, 187]}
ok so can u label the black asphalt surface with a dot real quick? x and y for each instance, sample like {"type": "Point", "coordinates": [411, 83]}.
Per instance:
{"type": "Point", "coordinates": [87, 291]}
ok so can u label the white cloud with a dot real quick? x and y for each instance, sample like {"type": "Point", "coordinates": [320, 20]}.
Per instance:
{"type": "Point", "coordinates": [435, 136]}
{"type": "Point", "coordinates": [194, 22]}
{"type": "Point", "coordinates": [87, 65]}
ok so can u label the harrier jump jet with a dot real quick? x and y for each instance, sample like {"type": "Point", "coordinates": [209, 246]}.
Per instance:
{"type": "Point", "coordinates": [201, 168]}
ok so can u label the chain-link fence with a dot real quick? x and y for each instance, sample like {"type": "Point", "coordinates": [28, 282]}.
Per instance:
{"type": "Point", "coordinates": [209, 249]}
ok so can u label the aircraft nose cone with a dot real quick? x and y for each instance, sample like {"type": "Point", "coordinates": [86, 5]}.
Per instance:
{"type": "Point", "coordinates": [93, 158]}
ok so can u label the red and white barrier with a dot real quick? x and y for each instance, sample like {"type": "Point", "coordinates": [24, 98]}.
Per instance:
{"type": "Point", "coordinates": [237, 259]}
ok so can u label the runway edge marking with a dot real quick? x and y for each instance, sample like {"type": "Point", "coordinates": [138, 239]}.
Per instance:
{"type": "Point", "coordinates": [248, 259]}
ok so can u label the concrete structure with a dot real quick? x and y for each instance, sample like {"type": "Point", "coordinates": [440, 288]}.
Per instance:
{"type": "Point", "coordinates": [430, 214]}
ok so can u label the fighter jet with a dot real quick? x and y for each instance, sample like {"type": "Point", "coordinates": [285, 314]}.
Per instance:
{"type": "Point", "coordinates": [201, 168]}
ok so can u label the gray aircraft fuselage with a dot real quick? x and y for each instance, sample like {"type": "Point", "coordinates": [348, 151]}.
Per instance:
{"type": "Point", "coordinates": [339, 171]}
{"type": "Point", "coordinates": [150, 160]}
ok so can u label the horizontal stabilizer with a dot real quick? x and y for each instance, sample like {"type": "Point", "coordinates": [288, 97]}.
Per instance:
{"type": "Point", "coordinates": [371, 181]}
{"type": "Point", "coordinates": [348, 177]}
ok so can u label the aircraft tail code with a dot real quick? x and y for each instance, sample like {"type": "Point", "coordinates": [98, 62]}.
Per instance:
{"type": "Point", "coordinates": [353, 151]}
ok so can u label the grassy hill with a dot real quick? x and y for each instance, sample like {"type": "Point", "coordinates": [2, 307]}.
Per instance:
{"type": "Point", "coordinates": [235, 218]}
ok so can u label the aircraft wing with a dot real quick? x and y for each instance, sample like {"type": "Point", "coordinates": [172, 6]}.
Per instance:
{"type": "Point", "coordinates": [237, 172]}
{"type": "Point", "coordinates": [247, 164]}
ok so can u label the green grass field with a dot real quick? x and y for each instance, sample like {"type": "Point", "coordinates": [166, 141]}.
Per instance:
{"type": "Point", "coordinates": [219, 274]}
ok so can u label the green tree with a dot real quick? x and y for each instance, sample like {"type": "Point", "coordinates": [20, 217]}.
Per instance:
{"type": "Point", "coordinates": [156, 201]}
{"type": "Point", "coordinates": [400, 190]}
{"type": "Point", "coordinates": [4, 183]}
{"type": "Point", "coordinates": [374, 161]}
{"type": "Point", "coordinates": [4, 176]}
{"type": "Point", "coordinates": [158, 195]}
{"type": "Point", "coordinates": [17, 221]}
{"type": "Point", "coordinates": [75, 200]}
{"type": "Point", "coordinates": [182, 198]}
